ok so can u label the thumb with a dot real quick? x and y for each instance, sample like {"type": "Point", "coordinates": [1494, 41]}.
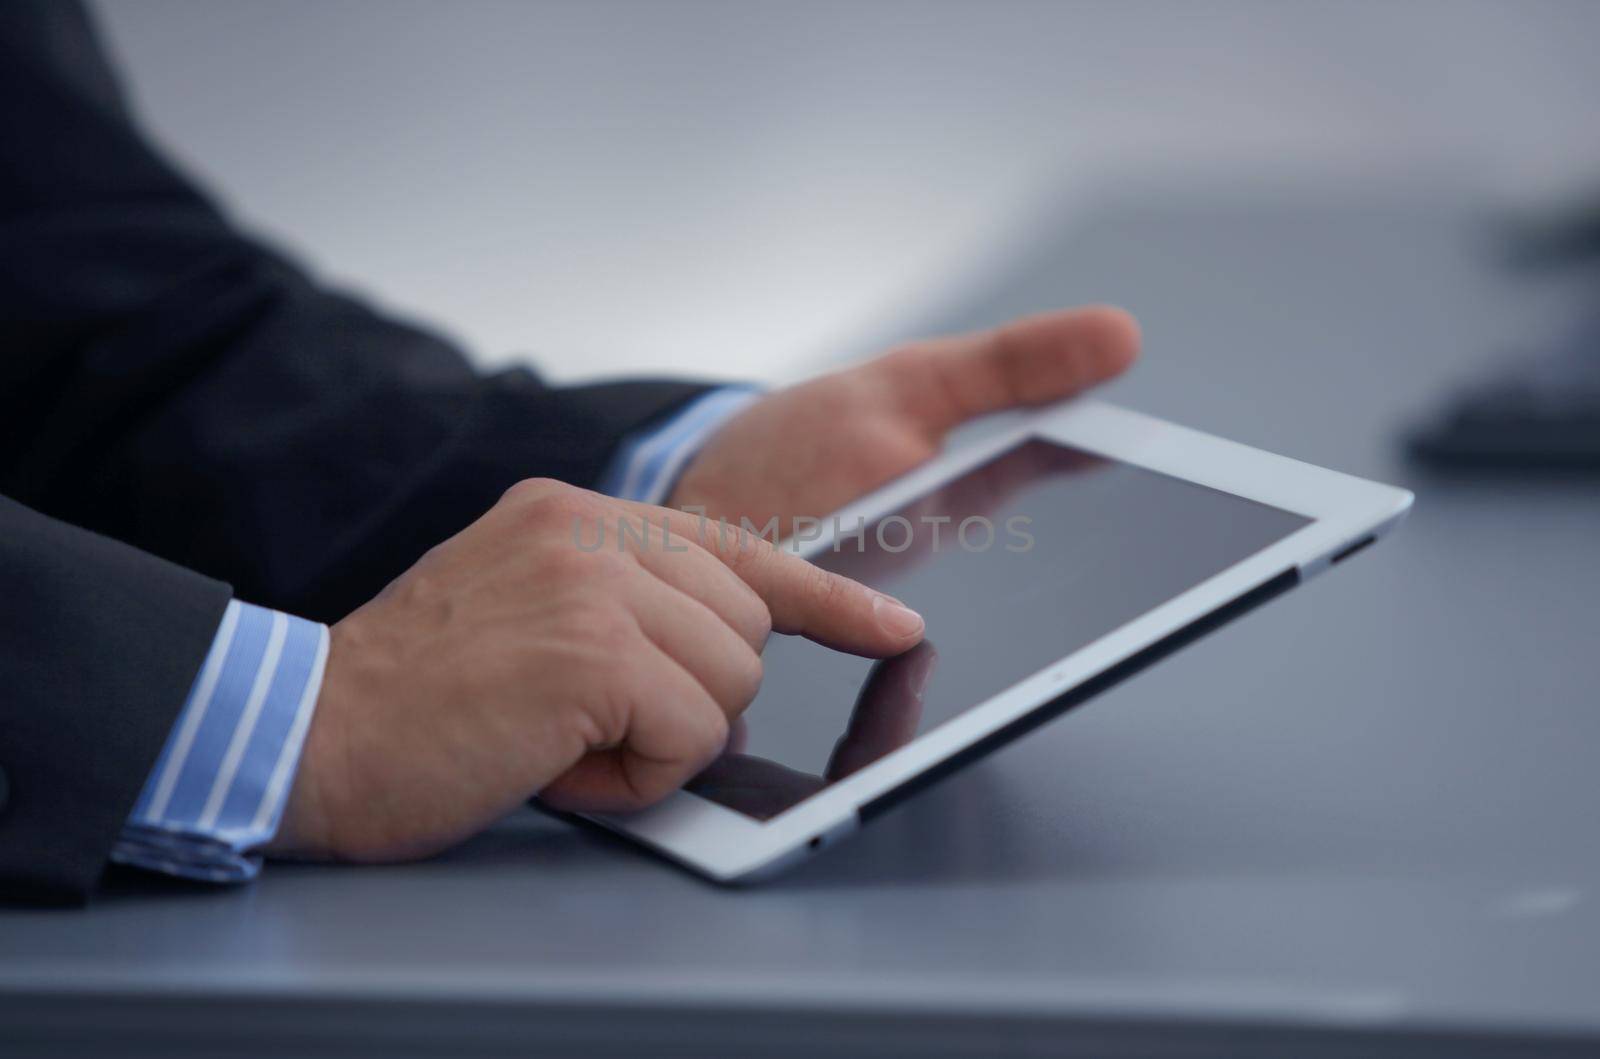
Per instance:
{"type": "Point", "coordinates": [943, 382]}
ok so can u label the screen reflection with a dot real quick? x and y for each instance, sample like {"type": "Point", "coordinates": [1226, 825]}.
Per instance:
{"type": "Point", "coordinates": [1015, 564]}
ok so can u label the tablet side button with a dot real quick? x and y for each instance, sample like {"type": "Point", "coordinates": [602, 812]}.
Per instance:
{"type": "Point", "coordinates": [1345, 553]}
{"type": "Point", "coordinates": [1103, 681]}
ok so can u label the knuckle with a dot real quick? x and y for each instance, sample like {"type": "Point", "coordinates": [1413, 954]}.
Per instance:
{"type": "Point", "coordinates": [766, 567]}
{"type": "Point", "coordinates": [608, 628]}
{"type": "Point", "coordinates": [739, 548]}
{"type": "Point", "coordinates": [529, 490]}
{"type": "Point", "coordinates": [601, 721]}
{"type": "Point", "coordinates": [825, 591]}
{"type": "Point", "coordinates": [711, 734]}
{"type": "Point", "coordinates": [749, 679]}
{"type": "Point", "coordinates": [758, 548]}
{"type": "Point", "coordinates": [758, 626]}
{"type": "Point", "coordinates": [546, 502]}
{"type": "Point", "coordinates": [560, 567]}
{"type": "Point", "coordinates": [568, 564]}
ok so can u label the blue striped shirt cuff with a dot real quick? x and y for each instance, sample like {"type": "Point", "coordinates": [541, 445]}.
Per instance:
{"type": "Point", "coordinates": [650, 461]}
{"type": "Point", "coordinates": [218, 790]}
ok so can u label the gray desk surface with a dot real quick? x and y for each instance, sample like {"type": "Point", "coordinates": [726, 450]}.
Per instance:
{"type": "Point", "coordinates": [1363, 814]}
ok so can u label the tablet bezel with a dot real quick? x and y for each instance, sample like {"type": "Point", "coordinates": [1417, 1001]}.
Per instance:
{"type": "Point", "coordinates": [728, 846]}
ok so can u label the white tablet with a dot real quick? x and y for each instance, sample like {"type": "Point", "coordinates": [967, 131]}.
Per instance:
{"type": "Point", "coordinates": [1050, 562]}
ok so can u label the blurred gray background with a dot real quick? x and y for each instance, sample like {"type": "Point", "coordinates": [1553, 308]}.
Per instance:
{"type": "Point", "coordinates": [1368, 808]}
{"type": "Point", "coordinates": [752, 189]}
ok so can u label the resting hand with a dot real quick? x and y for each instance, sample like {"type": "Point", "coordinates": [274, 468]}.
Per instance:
{"type": "Point", "coordinates": [810, 449]}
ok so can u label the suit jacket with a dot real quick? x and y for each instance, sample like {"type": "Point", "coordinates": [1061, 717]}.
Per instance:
{"type": "Point", "coordinates": [183, 409]}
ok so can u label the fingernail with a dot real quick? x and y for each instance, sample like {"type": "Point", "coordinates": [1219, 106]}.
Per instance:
{"type": "Point", "coordinates": [895, 618]}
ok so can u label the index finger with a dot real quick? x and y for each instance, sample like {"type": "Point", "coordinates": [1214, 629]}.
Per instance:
{"type": "Point", "coordinates": [802, 598]}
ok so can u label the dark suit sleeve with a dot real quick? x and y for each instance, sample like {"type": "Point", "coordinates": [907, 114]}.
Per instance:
{"type": "Point", "coordinates": [175, 384]}
{"type": "Point", "coordinates": [170, 382]}
{"type": "Point", "coordinates": [99, 644]}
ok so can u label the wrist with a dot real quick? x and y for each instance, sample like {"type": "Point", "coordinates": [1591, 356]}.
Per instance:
{"type": "Point", "coordinates": [308, 829]}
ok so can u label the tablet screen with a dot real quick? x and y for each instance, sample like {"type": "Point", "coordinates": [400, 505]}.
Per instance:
{"type": "Point", "coordinates": [1015, 564]}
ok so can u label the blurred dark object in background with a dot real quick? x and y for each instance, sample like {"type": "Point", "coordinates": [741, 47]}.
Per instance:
{"type": "Point", "coordinates": [1539, 411]}
{"type": "Point", "coordinates": [1555, 238]}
